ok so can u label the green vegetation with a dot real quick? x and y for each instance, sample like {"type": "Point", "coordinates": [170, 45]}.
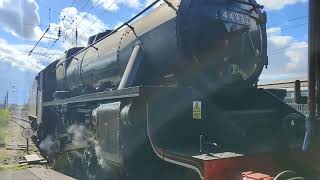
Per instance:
{"type": "Point", "coordinates": [13, 167]}
{"type": "Point", "coordinates": [4, 122]}
{"type": "Point", "coordinates": [4, 117]}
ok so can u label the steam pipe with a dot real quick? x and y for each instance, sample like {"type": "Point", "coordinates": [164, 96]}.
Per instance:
{"type": "Point", "coordinates": [132, 67]}
{"type": "Point", "coordinates": [314, 36]}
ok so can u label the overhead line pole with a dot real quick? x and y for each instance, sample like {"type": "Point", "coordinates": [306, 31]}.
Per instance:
{"type": "Point", "coordinates": [313, 76]}
{"type": "Point", "coordinates": [114, 31]}
{"type": "Point", "coordinates": [43, 36]}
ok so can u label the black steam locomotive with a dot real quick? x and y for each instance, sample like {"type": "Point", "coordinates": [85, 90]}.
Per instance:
{"type": "Point", "coordinates": [175, 89]}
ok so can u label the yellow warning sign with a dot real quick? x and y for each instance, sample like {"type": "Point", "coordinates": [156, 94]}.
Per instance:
{"type": "Point", "coordinates": [197, 110]}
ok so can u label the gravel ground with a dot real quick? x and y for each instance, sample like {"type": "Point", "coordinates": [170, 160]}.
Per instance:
{"type": "Point", "coordinates": [10, 157]}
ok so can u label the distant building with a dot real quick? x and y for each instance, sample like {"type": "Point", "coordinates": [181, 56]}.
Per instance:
{"type": "Point", "coordinates": [288, 85]}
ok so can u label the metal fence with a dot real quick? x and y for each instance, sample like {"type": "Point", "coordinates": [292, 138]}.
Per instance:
{"type": "Point", "coordinates": [303, 108]}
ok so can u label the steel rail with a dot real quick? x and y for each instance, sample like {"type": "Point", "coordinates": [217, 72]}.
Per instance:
{"type": "Point", "coordinates": [19, 121]}
{"type": "Point", "coordinates": [23, 119]}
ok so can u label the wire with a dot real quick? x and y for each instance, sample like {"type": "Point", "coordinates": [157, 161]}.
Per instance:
{"type": "Point", "coordinates": [97, 1]}
{"type": "Point", "coordinates": [62, 19]}
{"type": "Point", "coordinates": [290, 28]}
{"type": "Point", "coordinates": [78, 24]}
{"type": "Point", "coordinates": [67, 35]}
{"type": "Point", "coordinates": [279, 52]}
{"type": "Point", "coordinates": [81, 9]}
{"type": "Point", "coordinates": [103, 13]}
{"type": "Point", "coordinates": [54, 10]}
{"type": "Point", "coordinates": [296, 49]}
{"type": "Point", "coordinates": [114, 31]}
{"type": "Point", "coordinates": [27, 24]}
{"type": "Point", "coordinates": [295, 27]}
{"type": "Point", "coordinates": [43, 54]}
{"type": "Point", "coordinates": [39, 40]}
{"type": "Point", "coordinates": [74, 20]}
{"type": "Point", "coordinates": [289, 20]}
{"type": "Point", "coordinates": [286, 48]}
{"type": "Point", "coordinates": [85, 4]}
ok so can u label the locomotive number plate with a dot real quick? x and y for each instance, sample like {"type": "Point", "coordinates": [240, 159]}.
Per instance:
{"type": "Point", "coordinates": [235, 17]}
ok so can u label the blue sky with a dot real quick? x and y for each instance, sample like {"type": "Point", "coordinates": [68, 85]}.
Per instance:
{"type": "Point", "coordinates": [22, 22]}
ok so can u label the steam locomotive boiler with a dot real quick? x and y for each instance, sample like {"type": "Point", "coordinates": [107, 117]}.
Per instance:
{"type": "Point", "coordinates": [174, 91]}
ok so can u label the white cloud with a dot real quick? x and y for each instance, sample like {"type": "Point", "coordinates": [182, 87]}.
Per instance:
{"type": "Point", "coordinates": [114, 5]}
{"type": "Point", "coordinates": [298, 59]}
{"type": "Point", "coordinates": [109, 5]}
{"type": "Point", "coordinates": [17, 56]}
{"type": "Point", "coordinates": [18, 18]}
{"type": "Point", "coordinates": [86, 23]}
{"type": "Point", "coordinates": [280, 41]}
{"type": "Point", "coordinates": [274, 30]}
{"type": "Point", "coordinates": [131, 3]}
{"type": "Point", "coordinates": [278, 4]}
{"type": "Point", "coordinates": [287, 57]}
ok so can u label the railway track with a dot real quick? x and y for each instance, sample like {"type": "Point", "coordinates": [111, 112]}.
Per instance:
{"type": "Point", "coordinates": [22, 122]}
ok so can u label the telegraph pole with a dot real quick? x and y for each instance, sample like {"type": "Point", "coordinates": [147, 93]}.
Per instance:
{"type": "Point", "coordinates": [312, 123]}
{"type": "Point", "coordinates": [6, 101]}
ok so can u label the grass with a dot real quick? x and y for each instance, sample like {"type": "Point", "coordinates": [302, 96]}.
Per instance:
{"type": "Point", "coordinates": [4, 117]}
{"type": "Point", "coordinates": [4, 155]}
{"type": "Point", "coordinates": [4, 122]}
{"type": "Point", "coordinates": [13, 167]}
